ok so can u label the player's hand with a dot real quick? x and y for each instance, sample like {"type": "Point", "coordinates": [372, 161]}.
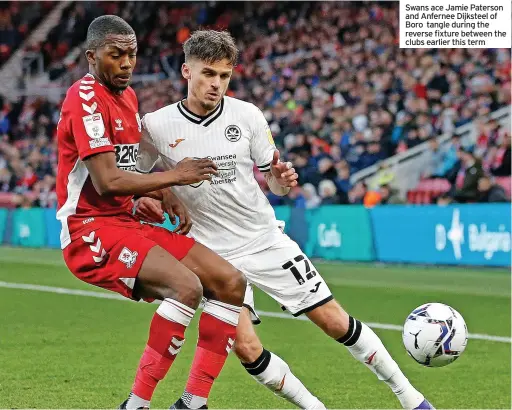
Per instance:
{"type": "Point", "coordinates": [190, 171]}
{"type": "Point", "coordinates": [283, 172]}
{"type": "Point", "coordinates": [175, 208]}
{"type": "Point", "coordinates": [149, 210]}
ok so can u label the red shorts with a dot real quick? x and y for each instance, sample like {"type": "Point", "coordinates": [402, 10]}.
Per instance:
{"type": "Point", "coordinates": [111, 256]}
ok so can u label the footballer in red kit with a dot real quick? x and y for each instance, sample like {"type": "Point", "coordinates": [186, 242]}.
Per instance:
{"type": "Point", "coordinates": [105, 245]}
{"type": "Point", "coordinates": [95, 120]}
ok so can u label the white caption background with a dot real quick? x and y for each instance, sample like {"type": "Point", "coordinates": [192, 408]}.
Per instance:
{"type": "Point", "coordinates": [455, 24]}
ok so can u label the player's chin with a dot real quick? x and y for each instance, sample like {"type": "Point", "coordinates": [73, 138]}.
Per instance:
{"type": "Point", "coordinates": [122, 83]}
{"type": "Point", "coordinates": [209, 104]}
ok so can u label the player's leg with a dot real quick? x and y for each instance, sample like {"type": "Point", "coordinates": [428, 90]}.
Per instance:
{"type": "Point", "coordinates": [289, 277]}
{"type": "Point", "coordinates": [269, 369]}
{"type": "Point", "coordinates": [162, 277]}
{"type": "Point", "coordinates": [124, 260]}
{"type": "Point", "coordinates": [367, 347]}
{"type": "Point", "coordinates": [224, 287]}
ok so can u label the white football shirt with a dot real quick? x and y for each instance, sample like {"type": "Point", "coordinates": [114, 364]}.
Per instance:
{"type": "Point", "coordinates": [230, 215]}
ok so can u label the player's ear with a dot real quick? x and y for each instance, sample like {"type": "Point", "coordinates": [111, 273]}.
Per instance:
{"type": "Point", "coordinates": [185, 71]}
{"type": "Point", "coordinates": [91, 56]}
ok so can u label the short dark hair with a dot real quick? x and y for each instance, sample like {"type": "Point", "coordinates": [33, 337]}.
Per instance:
{"type": "Point", "coordinates": [102, 26]}
{"type": "Point", "coordinates": [211, 46]}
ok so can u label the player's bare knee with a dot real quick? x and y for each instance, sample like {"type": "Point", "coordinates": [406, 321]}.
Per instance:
{"type": "Point", "coordinates": [189, 292]}
{"type": "Point", "coordinates": [232, 288]}
{"type": "Point", "coordinates": [236, 286]}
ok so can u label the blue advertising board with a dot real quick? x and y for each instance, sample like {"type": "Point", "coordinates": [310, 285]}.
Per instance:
{"type": "Point", "coordinates": [453, 235]}
{"type": "Point", "coordinates": [3, 223]}
{"type": "Point", "coordinates": [28, 228]}
{"type": "Point", "coordinates": [340, 233]}
{"type": "Point", "coordinates": [53, 227]}
{"type": "Point", "coordinates": [456, 235]}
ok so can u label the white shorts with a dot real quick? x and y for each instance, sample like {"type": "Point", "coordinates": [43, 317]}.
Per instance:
{"type": "Point", "coordinates": [286, 274]}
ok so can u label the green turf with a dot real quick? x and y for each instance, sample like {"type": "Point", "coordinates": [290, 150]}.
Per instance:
{"type": "Point", "coordinates": [63, 351]}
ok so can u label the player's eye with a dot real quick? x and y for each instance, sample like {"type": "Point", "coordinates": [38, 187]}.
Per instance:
{"type": "Point", "coordinates": [115, 56]}
{"type": "Point", "coordinates": [133, 55]}
{"type": "Point", "coordinates": [224, 76]}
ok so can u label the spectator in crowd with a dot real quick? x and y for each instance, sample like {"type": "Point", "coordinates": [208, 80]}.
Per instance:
{"type": "Point", "coordinates": [451, 160]}
{"type": "Point", "coordinates": [384, 176]}
{"type": "Point", "coordinates": [295, 198]}
{"type": "Point", "coordinates": [471, 171]}
{"type": "Point", "coordinates": [389, 196]}
{"type": "Point", "coordinates": [372, 198]}
{"type": "Point", "coordinates": [343, 177]}
{"type": "Point", "coordinates": [500, 164]}
{"type": "Point", "coordinates": [357, 193]}
{"type": "Point", "coordinates": [413, 138]}
{"type": "Point", "coordinates": [7, 182]}
{"type": "Point", "coordinates": [45, 193]}
{"type": "Point", "coordinates": [489, 191]}
{"type": "Point", "coordinates": [326, 169]}
{"type": "Point", "coordinates": [445, 163]}
{"type": "Point", "coordinates": [436, 168]}
{"type": "Point", "coordinates": [329, 194]}
{"type": "Point", "coordinates": [312, 200]}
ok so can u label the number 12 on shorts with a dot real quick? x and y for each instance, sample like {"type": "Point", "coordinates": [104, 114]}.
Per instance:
{"type": "Point", "coordinates": [295, 271]}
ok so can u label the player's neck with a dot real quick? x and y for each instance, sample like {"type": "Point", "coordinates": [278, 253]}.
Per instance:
{"type": "Point", "coordinates": [196, 108]}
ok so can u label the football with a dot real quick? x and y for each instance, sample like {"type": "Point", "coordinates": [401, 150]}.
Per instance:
{"type": "Point", "coordinates": [435, 334]}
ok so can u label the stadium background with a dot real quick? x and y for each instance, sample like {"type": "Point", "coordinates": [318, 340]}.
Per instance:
{"type": "Point", "coordinates": [375, 132]}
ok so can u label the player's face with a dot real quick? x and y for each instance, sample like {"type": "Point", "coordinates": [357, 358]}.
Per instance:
{"type": "Point", "coordinates": [207, 83]}
{"type": "Point", "coordinates": [115, 61]}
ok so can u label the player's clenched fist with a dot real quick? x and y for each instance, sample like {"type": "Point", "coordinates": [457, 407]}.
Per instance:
{"type": "Point", "coordinates": [190, 171]}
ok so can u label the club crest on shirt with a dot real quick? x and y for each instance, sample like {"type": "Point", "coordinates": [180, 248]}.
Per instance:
{"type": "Point", "coordinates": [128, 257]}
{"type": "Point", "coordinates": [233, 133]}
{"type": "Point", "coordinates": [94, 125]}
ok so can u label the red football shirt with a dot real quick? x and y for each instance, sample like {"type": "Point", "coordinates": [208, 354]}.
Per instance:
{"type": "Point", "coordinates": [93, 120]}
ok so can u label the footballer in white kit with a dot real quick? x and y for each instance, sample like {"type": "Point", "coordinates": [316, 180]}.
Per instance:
{"type": "Point", "coordinates": [231, 215]}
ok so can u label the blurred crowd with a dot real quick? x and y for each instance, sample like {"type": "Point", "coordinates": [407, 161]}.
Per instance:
{"type": "Point", "coordinates": [338, 92]}
{"type": "Point", "coordinates": [16, 21]}
{"type": "Point", "coordinates": [471, 170]}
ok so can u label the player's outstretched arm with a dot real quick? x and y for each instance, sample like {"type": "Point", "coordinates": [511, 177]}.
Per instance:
{"type": "Point", "coordinates": [110, 180]}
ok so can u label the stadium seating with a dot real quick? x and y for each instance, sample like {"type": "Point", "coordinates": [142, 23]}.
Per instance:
{"type": "Point", "coordinates": [427, 190]}
{"type": "Point", "coordinates": [330, 79]}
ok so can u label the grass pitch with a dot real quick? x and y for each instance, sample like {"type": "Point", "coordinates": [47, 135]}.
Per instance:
{"type": "Point", "coordinates": [70, 351]}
